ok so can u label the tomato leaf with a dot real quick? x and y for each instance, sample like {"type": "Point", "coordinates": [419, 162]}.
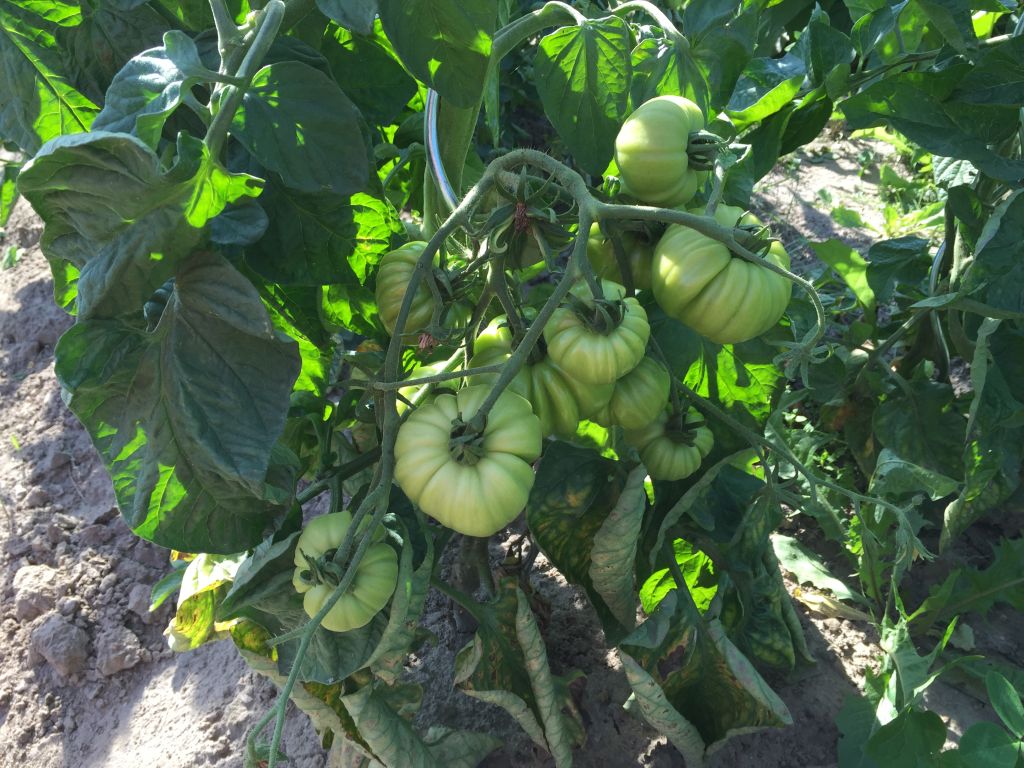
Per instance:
{"type": "Point", "coordinates": [37, 99]}
{"type": "Point", "coordinates": [662, 67]}
{"type": "Point", "coordinates": [142, 397]}
{"type": "Point", "coordinates": [298, 123]}
{"type": "Point", "coordinates": [573, 495]}
{"type": "Point", "coordinates": [583, 74]}
{"type": "Point", "coordinates": [444, 43]}
{"type": "Point", "coordinates": [614, 550]}
{"type": "Point", "coordinates": [150, 87]}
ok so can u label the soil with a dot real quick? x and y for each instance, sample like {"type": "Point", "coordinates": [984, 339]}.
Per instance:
{"type": "Point", "coordinates": [86, 678]}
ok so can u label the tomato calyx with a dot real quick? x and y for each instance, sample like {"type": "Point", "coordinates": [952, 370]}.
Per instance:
{"type": "Point", "coordinates": [466, 442]}
{"type": "Point", "coordinates": [682, 430]}
{"type": "Point", "coordinates": [322, 569]}
{"type": "Point", "coordinates": [600, 315]}
{"type": "Point", "coordinates": [702, 149]}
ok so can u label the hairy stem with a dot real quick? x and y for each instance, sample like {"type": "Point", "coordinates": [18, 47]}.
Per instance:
{"type": "Point", "coordinates": [267, 26]}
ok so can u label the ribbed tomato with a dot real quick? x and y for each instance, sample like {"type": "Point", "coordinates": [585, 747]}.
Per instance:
{"type": "Point", "coordinates": [669, 448]}
{"type": "Point", "coordinates": [652, 151]}
{"type": "Point", "coordinates": [316, 576]}
{"type": "Point", "coordinates": [728, 299]}
{"type": "Point", "coordinates": [587, 346]}
{"type": "Point", "coordinates": [473, 484]}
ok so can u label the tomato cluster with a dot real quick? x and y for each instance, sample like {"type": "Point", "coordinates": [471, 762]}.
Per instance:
{"type": "Point", "coordinates": [471, 470]}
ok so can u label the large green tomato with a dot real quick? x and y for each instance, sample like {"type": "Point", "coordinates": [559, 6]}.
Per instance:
{"type": "Point", "coordinates": [639, 396]}
{"type": "Point", "coordinates": [393, 275]}
{"type": "Point", "coordinates": [728, 299]}
{"type": "Point", "coordinates": [589, 352]}
{"type": "Point", "coordinates": [669, 448]}
{"type": "Point", "coordinates": [601, 254]}
{"type": "Point", "coordinates": [473, 485]}
{"type": "Point", "coordinates": [651, 151]}
{"type": "Point", "coordinates": [371, 589]}
{"type": "Point", "coordinates": [550, 390]}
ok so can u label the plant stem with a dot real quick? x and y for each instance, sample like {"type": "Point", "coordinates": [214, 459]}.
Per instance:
{"type": "Point", "coordinates": [342, 472]}
{"type": "Point", "coordinates": [267, 26]}
{"type": "Point", "coordinates": [228, 36]}
{"type": "Point", "coordinates": [657, 15]}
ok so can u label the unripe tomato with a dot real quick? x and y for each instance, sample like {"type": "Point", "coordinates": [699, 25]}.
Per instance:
{"type": "Point", "coordinates": [393, 275]}
{"type": "Point", "coordinates": [601, 254]}
{"type": "Point", "coordinates": [371, 589]}
{"type": "Point", "coordinates": [651, 151]}
{"type": "Point", "coordinates": [551, 393]}
{"type": "Point", "coordinates": [672, 451]}
{"type": "Point", "coordinates": [726, 298]}
{"type": "Point", "coordinates": [478, 485]}
{"type": "Point", "coordinates": [639, 396]}
{"type": "Point", "coordinates": [591, 353]}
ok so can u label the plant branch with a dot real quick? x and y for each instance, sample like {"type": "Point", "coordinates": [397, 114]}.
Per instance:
{"type": "Point", "coordinates": [267, 25]}
{"type": "Point", "coordinates": [657, 15]}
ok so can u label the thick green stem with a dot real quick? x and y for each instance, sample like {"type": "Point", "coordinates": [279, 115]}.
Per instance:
{"type": "Point", "coordinates": [656, 14]}
{"type": "Point", "coordinates": [267, 26]}
{"type": "Point", "coordinates": [343, 472]}
{"type": "Point", "coordinates": [228, 36]}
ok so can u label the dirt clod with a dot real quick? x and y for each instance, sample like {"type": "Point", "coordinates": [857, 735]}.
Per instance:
{"type": "Point", "coordinates": [64, 646]}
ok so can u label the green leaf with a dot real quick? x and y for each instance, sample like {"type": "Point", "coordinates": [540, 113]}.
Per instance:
{"type": "Point", "coordinates": [949, 172]}
{"type": "Point", "coordinates": [393, 741]}
{"type": "Point", "coordinates": [573, 495]}
{"type": "Point", "coordinates": [986, 745]}
{"type": "Point", "coordinates": [904, 261]}
{"type": "Point", "coordinates": [922, 427]}
{"type": "Point", "coordinates": [374, 78]}
{"type": "Point", "coordinates": [697, 569]}
{"type": "Point", "coordinates": [396, 643]}
{"type": "Point", "coordinates": [952, 18]}
{"type": "Point", "coordinates": [267, 570]}
{"type": "Point", "coordinates": [976, 589]}
{"type": "Point", "coordinates": [614, 550]}
{"type": "Point", "coordinates": [993, 453]}
{"type": "Point", "coordinates": [145, 93]}
{"type": "Point", "coordinates": [850, 266]}
{"type": "Point", "coordinates": [856, 722]}
{"type": "Point", "coordinates": [705, 678]}
{"type": "Point", "coordinates": [108, 37]}
{"type": "Point", "coordinates": [917, 105]}
{"type": "Point", "coordinates": [663, 67]}
{"type": "Point", "coordinates": [112, 211]}
{"type": "Point", "coordinates": [544, 691]}
{"type": "Point", "coordinates": [582, 75]}
{"type": "Point", "coordinates": [297, 122]}
{"type": "Point", "coordinates": [444, 43]}
{"type": "Point", "coordinates": [893, 477]}
{"type": "Point", "coordinates": [357, 15]}
{"type": "Point", "coordinates": [37, 103]}
{"type": "Point", "coordinates": [167, 585]}
{"type": "Point", "coordinates": [188, 442]}
{"type": "Point", "coordinates": [204, 583]}
{"type": "Point", "coordinates": [655, 708]}
{"type": "Point", "coordinates": [322, 238]}
{"type": "Point", "coordinates": [912, 740]}
{"type": "Point", "coordinates": [764, 87]}
{"type": "Point", "coordinates": [8, 190]}
{"type": "Point", "coordinates": [808, 568]}
{"type": "Point", "coordinates": [506, 664]}
{"type": "Point", "coordinates": [823, 47]}
{"type": "Point", "coordinates": [1006, 702]}
{"type": "Point", "coordinates": [996, 275]}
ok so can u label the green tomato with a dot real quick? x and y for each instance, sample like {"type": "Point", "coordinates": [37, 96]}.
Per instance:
{"type": "Point", "coordinates": [651, 151]}
{"type": "Point", "coordinates": [393, 275]}
{"type": "Point", "coordinates": [672, 451]}
{"type": "Point", "coordinates": [601, 254]}
{"type": "Point", "coordinates": [590, 353]}
{"type": "Point", "coordinates": [551, 393]}
{"type": "Point", "coordinates": [371, 589]}
{"type": "Point", "coordinates": [723, 297]}
{"type": "Point", "coordinates": [420, 372]}
{"type": "Point", "coordinates": [639, 396]}
{"type": "Point", "coordinates": [475, 487]}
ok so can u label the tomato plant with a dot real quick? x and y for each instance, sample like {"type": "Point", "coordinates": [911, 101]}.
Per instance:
{"type": "Point", "coordinates": [432, 260]}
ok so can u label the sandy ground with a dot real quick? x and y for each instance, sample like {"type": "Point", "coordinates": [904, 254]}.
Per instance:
{"type": "Point", "coordinates": [85, 677]}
